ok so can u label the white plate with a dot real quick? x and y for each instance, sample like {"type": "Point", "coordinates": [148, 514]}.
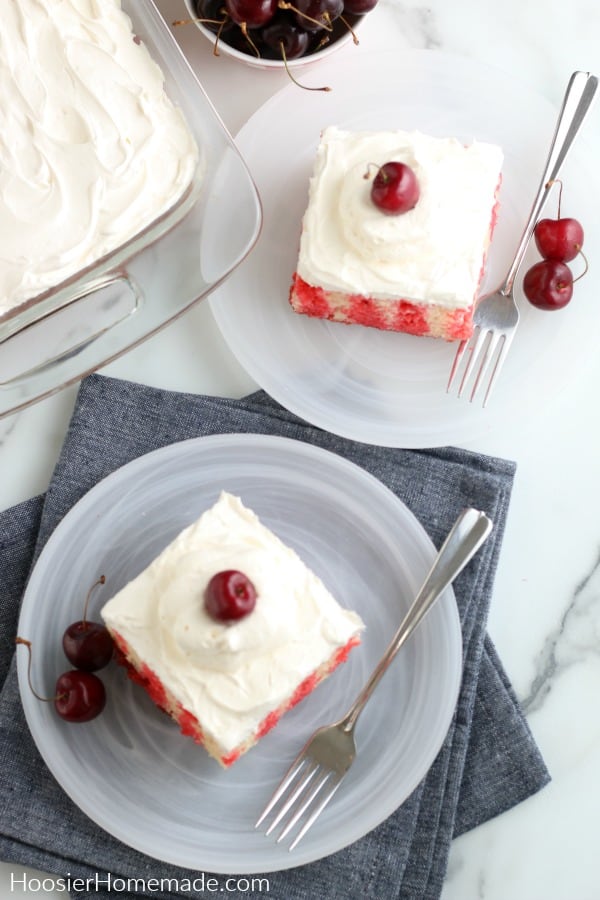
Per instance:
{"type": "Point", "coordinates": [130, 770]}
{"type": "Point", "coordinates": [385, 388]}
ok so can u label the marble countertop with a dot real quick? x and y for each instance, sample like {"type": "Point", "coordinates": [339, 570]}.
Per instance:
{"type": "Point", "coordinates": [545, 616]}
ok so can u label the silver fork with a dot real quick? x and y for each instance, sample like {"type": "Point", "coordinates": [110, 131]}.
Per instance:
{"type": "Point", "coordinates": [496, 314]}
{"type": "Point", "coordinates": [317, 772]}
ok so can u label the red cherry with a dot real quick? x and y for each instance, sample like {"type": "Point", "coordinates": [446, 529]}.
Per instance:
{"type": "Point", "coordinates": [80, 696]}
{"type": "Point", "coordinates": [251, 13]}
{"type": "Point", "coordinates": [395, 188]}
{"type": "Point", "coordinates": [229, 595]}
{"type": "Point", "coordinates": [315, 15]}
{"type": "Point", "coordinates": [88, 645]}
{"type": "Point", "coordinates": [549, 284]}
{"type": "Point", "coordinates": [283, 38]}
{"type": "Point", "coordinates": [359, 7]}
{"type": "Point", "coordinates": [560, 239]}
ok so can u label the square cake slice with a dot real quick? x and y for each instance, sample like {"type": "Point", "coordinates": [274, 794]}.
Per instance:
{"type": "Point", "coordinates": [227, 680]}
{"type": "Point", "coordinates": [417, 271]}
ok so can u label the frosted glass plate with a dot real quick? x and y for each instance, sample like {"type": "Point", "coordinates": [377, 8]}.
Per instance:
{"type": "Point", "coordinates": [385, 388]}
{"type": "Point", "coordinates": [130, 770]}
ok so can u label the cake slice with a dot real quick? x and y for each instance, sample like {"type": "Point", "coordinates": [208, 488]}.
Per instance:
{"type": "Point", "coordinates": [416, 271]}
{"type": "Point", "coordinates": [227, 629]}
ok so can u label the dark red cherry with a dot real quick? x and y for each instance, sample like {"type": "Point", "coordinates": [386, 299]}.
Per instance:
{"type": "Point", "coordinates": [229, 595]}
{"type": "Point", "coordinates": [88, 645]}
{"type": "Point", "coordinates": [548, 284]}
{"type": "Point", "coordinates": [395, 188]}
{"type": "Point", "coordinates": [359, 7]}
{"type": "Point", "coordinates": [251, 13]}
{"type": "Point", "coordinates": [560, 239]}
{"type": "Point", "coordinates": [313, 15]}
{"type": "Point", "coordinates": [213, 15]}
{"type": "Point", "coordinates": [79, 696]}
{"type": "Point", "coordinates": [284, 38]}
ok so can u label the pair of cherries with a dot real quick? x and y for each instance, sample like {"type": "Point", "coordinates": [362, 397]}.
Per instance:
{"type": "Point", "coordinates": [79, 694]}
{"type": "Point", "coordinates": [548, 284]}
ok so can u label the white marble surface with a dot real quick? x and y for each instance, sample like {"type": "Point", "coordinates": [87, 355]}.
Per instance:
{"type": "Point", "coordinates": [545, 617]}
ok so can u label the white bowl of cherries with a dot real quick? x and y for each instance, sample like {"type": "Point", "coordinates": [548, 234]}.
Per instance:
{"type": "Point", "coordinates": [277, 34]}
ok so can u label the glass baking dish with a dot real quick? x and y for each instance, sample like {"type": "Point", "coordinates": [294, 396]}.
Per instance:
{"type": "Point", "coordinates": [128, 295]}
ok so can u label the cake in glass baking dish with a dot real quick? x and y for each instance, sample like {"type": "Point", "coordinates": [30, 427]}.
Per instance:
{"type": "Point", "coordinates": [396, 231]}
{"type": "Point", "coordinates": [92, 149]}
{"type": "Point", "coordinates": [227, 629]}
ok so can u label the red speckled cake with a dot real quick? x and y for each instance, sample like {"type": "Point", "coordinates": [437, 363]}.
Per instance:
{"type": "Point", "coordinates": [416, 269]}
{"type": "Point", "coordinates": [227, 629]}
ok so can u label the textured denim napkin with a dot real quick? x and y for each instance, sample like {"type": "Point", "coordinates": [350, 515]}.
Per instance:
{"type": "Point", "coordinates": [488, 763]}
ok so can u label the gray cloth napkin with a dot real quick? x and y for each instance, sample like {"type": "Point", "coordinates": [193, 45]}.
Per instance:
{"type": "Point", "coordinates": [488, 763]}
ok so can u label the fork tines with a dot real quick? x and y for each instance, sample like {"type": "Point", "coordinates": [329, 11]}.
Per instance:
{"type": "Point", "coordinates": [486, 349]}
{"type": "Point", "coordinates": [303, 794]}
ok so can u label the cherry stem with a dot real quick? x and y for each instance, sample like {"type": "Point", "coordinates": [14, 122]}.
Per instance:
{"type": "Point", "coordinates": [373, 165]}
{"type": "Point", "coordinates": [283, 4]}
{"type": "Point", "coordinates": [26, 643]}
{"type": "Point", "coordinates": [178, 22]}
{"type": "Point", "coordinates": [322, 42]}
{"type": "Point", "coordinates": [244, 28]}
{"type": "Point", "coordinates": [586, 266]}
{"type": "Point", "coordinates": [101, 580]}
{"type": "Point", "coordinates": [287, 69]}
{"type": "Point", "coordinates": [222, 25]}
{"type": "Point", "coordinates": [351, 30]}
{"type": "Point", "coordinates": [560, 187]}
{"type": "Point", "coordinates": [220, 22]}
{"type": "Point", "coordinates": [190, 21]}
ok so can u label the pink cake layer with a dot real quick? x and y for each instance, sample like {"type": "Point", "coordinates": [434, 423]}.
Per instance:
{"type": "Point", "coordinates": [387, 315]}
{"type": "Point", "coordinates": [141, 673]}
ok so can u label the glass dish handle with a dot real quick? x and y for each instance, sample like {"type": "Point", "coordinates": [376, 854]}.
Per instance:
{"type": "Point", "coordinates": [57, 336]}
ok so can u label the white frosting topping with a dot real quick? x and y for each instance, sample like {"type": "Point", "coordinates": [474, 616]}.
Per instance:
{"type": "Point", "coordinates": [91, 148]}
{"type": "Point", "coordinates": [230, 676]}
{"type": "Point", "coordinates": [432, 253]}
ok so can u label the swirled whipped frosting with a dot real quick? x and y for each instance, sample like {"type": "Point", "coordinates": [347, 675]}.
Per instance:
{"type": "Point", "coordinates": [230, 676]}
{"type": "Point", "coordinates": [432, 253]}
{"type": "Point", "coordinates": [91, 148]}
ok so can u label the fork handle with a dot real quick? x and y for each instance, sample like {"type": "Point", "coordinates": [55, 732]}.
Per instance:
{"type": "Point", "coordinates": [576, 104]}
{"type": "Point", "coordinates": [465, 538]}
